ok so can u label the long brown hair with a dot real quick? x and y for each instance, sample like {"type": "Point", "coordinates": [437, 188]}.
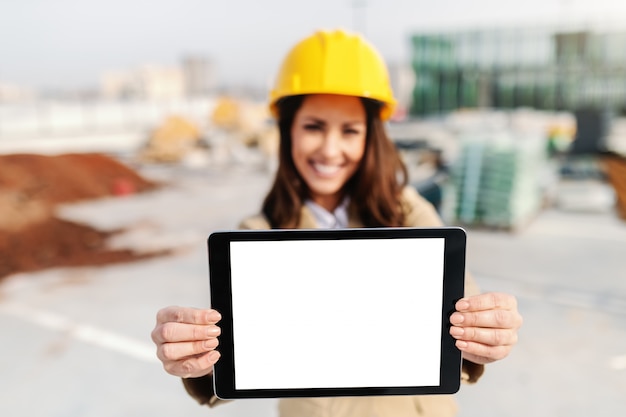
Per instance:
{"type": "Point", "coordinates": [374, 189]}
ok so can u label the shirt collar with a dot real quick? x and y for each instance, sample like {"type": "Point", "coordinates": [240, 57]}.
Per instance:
{"type": "Point", "coordinates": [324, 219]}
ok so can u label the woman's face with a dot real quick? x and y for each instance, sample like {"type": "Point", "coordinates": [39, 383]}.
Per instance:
{"type": "Point", "coordinates": [328, 142]}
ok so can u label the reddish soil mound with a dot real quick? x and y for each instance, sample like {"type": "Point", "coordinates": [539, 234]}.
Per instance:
{"type": "Point", "coordinates": [616, 172]}
{"type": "Point", "coordinates": [66, 178]}
{"type": "Point", "coordinates": [56, 242]}
{"type": "Point", "coordinates": [31, 238]}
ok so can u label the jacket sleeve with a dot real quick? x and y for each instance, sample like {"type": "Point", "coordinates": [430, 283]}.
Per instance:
{"type": "Point", "coordinates": [201, 390]}
{"type": "Point", "coordinates": [420, 213]}
{"type": "Point", "coordinates": [258, 222]}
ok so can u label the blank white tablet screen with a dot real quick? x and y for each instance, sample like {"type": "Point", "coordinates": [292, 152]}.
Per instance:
{"type": "Point", "coordinates": [337, 313]}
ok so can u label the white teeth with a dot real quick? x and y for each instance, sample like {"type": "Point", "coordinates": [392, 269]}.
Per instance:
{"type": "Point", "coordinates": [326, 169]}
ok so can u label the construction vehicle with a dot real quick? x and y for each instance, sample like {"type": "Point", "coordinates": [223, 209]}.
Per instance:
{"type": "Point", "coordinates": [171, 141]}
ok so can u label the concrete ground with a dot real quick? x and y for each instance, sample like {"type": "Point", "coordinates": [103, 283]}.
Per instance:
{"type": "Point", "coordinates": [76, 342]}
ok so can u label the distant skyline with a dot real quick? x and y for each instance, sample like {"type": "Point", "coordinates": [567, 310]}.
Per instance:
{"type": "Point", "coordinates": [69, 44]}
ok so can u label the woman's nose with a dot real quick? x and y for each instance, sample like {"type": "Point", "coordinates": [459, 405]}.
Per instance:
{"type": "Point", "coordinates": [331, 145]}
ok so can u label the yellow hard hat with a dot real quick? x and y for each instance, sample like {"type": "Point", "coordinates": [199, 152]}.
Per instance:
{"type": "Point", "coordinates": [334, 62]}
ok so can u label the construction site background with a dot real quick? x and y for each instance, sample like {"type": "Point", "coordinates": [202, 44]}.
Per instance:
{"type": "Point", "coordinates": [109, 202]}
{"type": "Point", "coordinates": [480, 168]}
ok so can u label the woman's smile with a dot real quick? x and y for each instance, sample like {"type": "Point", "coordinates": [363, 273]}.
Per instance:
{"type": "Point", "coordinates": [326, 170]}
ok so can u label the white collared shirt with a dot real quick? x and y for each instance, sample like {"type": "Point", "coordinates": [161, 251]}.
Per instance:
{"type": "Point", "coordinates": [324, 219]}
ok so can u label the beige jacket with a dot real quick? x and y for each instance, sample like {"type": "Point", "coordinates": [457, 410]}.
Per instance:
{"type": "Point", "coordinates": [419, 213]}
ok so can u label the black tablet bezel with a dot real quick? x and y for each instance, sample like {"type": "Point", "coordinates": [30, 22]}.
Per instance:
{"type": "Point", "coordinates": [221, 299]}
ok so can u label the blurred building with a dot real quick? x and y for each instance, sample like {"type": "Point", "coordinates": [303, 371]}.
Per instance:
{"type": "Point", "coordinates": [148, 82]}
{"type": "Point", "coordinates": [14, 93]}
{"type": "Point", "coordinates": [542, 68]}
{"type": "Point", "coordinates": [199, 74]}
{"type": "Point", "coordinates": [194, 77]}
{"type": "Point", "coordinates": [402, 81]}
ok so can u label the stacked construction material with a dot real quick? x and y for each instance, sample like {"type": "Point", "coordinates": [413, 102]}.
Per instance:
{"type": "Point", "coordinates": [497, 180]}
{"type": "Point", "coordinates": [464, 193]}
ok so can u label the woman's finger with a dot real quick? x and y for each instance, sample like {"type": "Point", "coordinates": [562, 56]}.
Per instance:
{"type": "Point", "coordinates": [182, 350]}
{"type": "Point", "coordinates": [188, 315]}
{"type": "Point", "coordinates": [193, 367]}
{"type": "Point", "coordinates": [171, 332]}
{"type": "Point", "coordinates": [482, 354]}
{"type": "Point", "coordinates": [487, 301]}
{"type": "Point", "coordinates": [494, 319]}
{"type": "Point", "coordinates": [491, 337]}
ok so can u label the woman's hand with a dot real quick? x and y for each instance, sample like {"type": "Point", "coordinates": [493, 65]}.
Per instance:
{"type": "Point", "coordinates": [186, 339]}
{"type": "Point", "coordinates": [485, 326]}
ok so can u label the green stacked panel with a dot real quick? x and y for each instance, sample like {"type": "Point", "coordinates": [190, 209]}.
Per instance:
{"type": "Point", "coordinates": [496, 181]}
{"type": "Point", "coordinates": [466, 181]}
{"type": "Point", "coordinates": [510, 187]}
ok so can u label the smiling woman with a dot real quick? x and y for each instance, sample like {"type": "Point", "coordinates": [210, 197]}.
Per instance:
{"type": "Point", "coordinates": [337, 168]}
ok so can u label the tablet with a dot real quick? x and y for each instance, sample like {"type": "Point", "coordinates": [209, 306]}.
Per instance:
{"type": "Point", "coordinates": [343, 312]}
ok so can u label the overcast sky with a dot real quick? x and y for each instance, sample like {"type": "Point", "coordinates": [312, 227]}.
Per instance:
{"type": "Point", "coordinates": [56, 44]}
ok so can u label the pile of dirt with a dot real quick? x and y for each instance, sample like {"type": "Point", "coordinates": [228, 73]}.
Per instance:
{"type": "Point", "coordinates": [615, 166]}
{"type": "Point", "coordinates": [31, 238]}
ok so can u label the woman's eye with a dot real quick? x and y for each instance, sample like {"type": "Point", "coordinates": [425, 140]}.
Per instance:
{"type": "Point", "coordinates": [312, 127]}
{"type": "Point", "coordinates": [351, 132]}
